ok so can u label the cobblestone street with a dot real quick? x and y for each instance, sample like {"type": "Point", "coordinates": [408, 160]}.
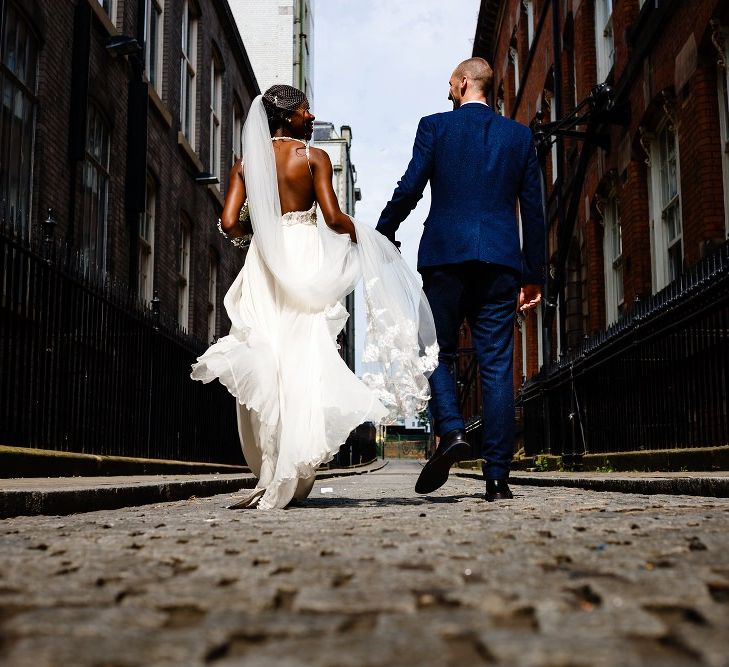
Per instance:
{"type": "Point", "coordinates": [371, 574]}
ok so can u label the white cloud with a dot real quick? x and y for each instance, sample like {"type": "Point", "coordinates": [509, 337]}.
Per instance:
{"type": "Point", "coordinates": [379, 67]}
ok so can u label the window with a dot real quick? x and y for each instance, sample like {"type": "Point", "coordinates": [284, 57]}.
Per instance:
{"type": "Point", "coordinates": [212, 295]}
{"type": "Point", "coordinates": [17, 120]}
{"type": "Point", "coordinates": [153, 42]}
{"type": "Point", "coordinates": [548, 98]}
{"type": "Point", "coordinates": [146, 244]}
{"type": "Point", "coordinates": [604, 41]}
{"type": "Point", "coordinates": [95, 191]}
{"type": "Point", "coordinates": [613, 260]}
{"type": "Point", "coordinates": [514, 58]}
{"type": "Point", "coordinates": [216, 104]}
{"type": "Point", "coordinates": [500, 100]}
{"type": "Point", "coordinates": [188, 71]}
{"type": "Point", "coordinates": [529, 11]}
{"type": "Point", "coordinates": [108, 7]}
{"type": "Point", "coordinates": [723, 73]}
{"type": "Point", "coordinates": [665, 201]}
{"type": "Point", "coordinates": [183, 270]}
{"type": "Point", "coordinates": [237, 131]}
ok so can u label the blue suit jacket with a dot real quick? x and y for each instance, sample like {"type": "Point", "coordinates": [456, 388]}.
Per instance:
{"type": "Point", "coordinates": [479, 165]}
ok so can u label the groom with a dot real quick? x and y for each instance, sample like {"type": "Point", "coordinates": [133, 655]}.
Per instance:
{"type": "Point", "coordinates": [480, 165]}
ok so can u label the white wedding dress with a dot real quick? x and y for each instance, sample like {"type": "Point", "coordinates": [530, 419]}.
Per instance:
{"type": "Point", "coordinates": [297, 399]}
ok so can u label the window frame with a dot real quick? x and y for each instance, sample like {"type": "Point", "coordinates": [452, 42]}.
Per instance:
{"type": "Point", "coordinates": [237, 138]}
{"type": "Point", "coordinates": [145, 279]}
{"type": "Point", "coordinates": [154, 61]}
{"type": "Point", "coordinates": [94, 165]}
{"type": "Point", "coordinates": [188, 73]}
{"type": "Point", "coordinates": [514, 59]}
{"type": "Point", "coordinates": [213, 275]}
{"type": "Point", "coordinates": [17, 151]}
{"type": "Point", "coordinates": [612, 260]}
{"type": "Point", "coordinates": [184, 261]}
{"type": "Point", "coordinates": [604, 39]}
{"type": "Point", "coordinates": [528, 6]}
{"type": "Point", "coordinates": [216, 118]}
{"type": "Point", "coordinates": [660, 243]}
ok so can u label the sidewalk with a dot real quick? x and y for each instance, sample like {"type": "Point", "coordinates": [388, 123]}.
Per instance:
{"type": "Point", "coordinates": [68, 495]}
{"type": "Point", "coordinates": [712, 484]}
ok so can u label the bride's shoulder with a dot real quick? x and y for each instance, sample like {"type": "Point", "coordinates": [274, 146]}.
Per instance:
{"type": "Point", "coordinates": [319, 156]}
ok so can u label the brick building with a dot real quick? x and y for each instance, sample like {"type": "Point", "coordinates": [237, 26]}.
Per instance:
{"type": "Point", "coordinates": [654, 200]}
{"type": "Point", "coordinates": [129, 142]}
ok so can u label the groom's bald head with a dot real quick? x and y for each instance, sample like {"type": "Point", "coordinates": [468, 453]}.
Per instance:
{"type": "Point", "coordinates": [478, 73]}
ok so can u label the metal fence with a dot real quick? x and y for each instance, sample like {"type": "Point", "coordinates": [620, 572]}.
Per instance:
{"type": "Point", "coordinates": [85, 368]}
{"type": "Point", "coordinates": [657, 379]}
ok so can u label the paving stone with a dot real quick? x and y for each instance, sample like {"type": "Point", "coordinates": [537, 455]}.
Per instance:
{"type": "Point", "coordinates": [373, 574]}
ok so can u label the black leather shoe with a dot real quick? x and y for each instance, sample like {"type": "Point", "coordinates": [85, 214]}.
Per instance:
{"type": "Point", "coordinates": [452, 448]}
{"type": "Point", "coordinates": [497, 489]}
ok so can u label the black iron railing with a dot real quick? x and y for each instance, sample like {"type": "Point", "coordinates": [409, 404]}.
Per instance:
{"type": "Point", "coordinates": [657, 379]}
{"type": "Point", "coordinates": [85, 368]}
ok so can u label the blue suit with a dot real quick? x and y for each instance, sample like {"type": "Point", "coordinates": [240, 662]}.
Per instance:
{"type": "Point", "coordinates": [479, 165]}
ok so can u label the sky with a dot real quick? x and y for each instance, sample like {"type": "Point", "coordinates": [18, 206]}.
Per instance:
{"type": "Point", "coordinates": [380, 66]}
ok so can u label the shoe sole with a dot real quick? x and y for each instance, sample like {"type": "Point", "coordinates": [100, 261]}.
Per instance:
{"type": "Point", "coordinates": [435, 473]}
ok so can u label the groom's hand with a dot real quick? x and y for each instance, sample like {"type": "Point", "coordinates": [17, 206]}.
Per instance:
{"type": "Point", "coordinates": [529, 297]}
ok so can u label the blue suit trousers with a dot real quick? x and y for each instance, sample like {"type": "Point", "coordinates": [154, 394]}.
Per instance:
{"type": "Point", "coordinates": [486, 296]}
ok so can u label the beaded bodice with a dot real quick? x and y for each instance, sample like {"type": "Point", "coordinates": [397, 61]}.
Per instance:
{"type": "Point", "coordinates": [300, 217]}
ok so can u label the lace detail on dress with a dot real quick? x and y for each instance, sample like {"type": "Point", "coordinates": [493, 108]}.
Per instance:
{"type": "Point", "coordinates": [300, 217]}
{"type": "Point", "coordinates": [398, 366]}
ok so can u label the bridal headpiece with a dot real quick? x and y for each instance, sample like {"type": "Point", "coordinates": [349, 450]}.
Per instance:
{"type": "Point", "coordinates": [285, 97]}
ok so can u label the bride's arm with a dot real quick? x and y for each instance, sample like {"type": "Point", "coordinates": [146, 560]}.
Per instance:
{"type": "Point", "coordinates": [333, 216]}
{"type": "Point", "coordinates": [233, 201]}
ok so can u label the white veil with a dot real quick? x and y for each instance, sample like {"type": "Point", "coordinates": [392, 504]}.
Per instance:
{"type": "Point", "coordinates": [400, 349]}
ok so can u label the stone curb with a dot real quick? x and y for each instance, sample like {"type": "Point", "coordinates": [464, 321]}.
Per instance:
{"type": "Point", "coordinates": [57, 502]}
{"type": "Point", "coordinates": [716, 487]}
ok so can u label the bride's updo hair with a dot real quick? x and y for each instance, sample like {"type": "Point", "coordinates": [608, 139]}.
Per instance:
{"type": "Point", "coordinates": [280, 101]}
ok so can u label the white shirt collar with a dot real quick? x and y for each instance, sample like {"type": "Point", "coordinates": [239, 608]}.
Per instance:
{"type": "Point", "coordinates": [463, 104]}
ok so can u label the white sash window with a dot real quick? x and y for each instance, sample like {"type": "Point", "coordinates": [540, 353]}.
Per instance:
{"type": "Point", "coordinates": [604, 40]}
{"type": "Point", "coordinates": [613, 260]}
{"type": "Point", "coordinates": [665, 206]}
{"type": "Point", "coordinates": [216, 113]}
{"type": "Point", "coordinates": [153, 43]}
{"type": "Point", "coordinates": [146, 244]}
{"type": "Point", "coordinates": [188, 74]}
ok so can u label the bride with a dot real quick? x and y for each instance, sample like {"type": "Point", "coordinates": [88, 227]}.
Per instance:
{"type": "Point", "coordinates": [297, 400]}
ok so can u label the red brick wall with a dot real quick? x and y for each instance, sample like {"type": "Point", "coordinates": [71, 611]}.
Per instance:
{"type": "Point", "coordinates": [696, 108]}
